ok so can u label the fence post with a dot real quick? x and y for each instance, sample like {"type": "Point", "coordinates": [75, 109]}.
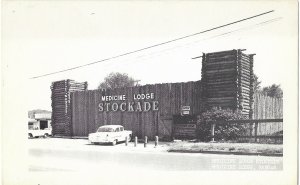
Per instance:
{"type": "Point", "coordinates": [135, 141]}
{"type": "Point", "coordinates": [156, 141]}
{"type": "Point", "coordinates": [126, 141]}
{"type": "Point", "coordinates": [145, 142]}
{"type": "Point", "coordinates": [255, 131]}
{"type": "Point", "coordinates": [213, 132]}
{"type": "Point", "coordinates": [251, 129]}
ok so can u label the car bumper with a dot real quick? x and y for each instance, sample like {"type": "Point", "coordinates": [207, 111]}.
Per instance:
{"type": "Point", "coordinates": [101, 140]}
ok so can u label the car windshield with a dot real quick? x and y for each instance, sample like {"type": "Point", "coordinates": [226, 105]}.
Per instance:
{"type": "Point", "coordinates": [105, 129]}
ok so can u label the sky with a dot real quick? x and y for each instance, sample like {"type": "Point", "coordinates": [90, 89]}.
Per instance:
{"type": "Point", "coordinates": [40, 37]}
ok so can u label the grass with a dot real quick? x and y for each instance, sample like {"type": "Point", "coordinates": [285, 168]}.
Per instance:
{"type": "Point", "coordinates": [251, 148]}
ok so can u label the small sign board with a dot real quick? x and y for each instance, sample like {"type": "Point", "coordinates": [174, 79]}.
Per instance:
{"type": "Point", "coordinates": [185, 110]}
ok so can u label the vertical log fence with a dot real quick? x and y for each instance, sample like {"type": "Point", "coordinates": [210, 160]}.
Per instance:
{"type": "Point", "coordinates": [276, 135]}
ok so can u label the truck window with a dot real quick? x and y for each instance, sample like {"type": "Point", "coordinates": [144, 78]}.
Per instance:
{"type": "Point", "coordinates": [121, 129]}
{"type": "Point", "coordinates": [30, 126]}
{"type": "Point", "coordinates": [118, 129]}
{"type": "Point", "coordinates": [43, 124]}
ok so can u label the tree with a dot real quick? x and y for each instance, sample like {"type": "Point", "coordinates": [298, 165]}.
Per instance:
{"type": "Point", "coordinates": [222, 131]}
{"type": "Point", "coordinates": [256, 84]}
{"type": "Point", "coordinates": [116, 80]}
{"type": "Point", "coordinates": [273, 91]}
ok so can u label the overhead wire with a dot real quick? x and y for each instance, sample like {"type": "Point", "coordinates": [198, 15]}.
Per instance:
{"type": "Point", "coordinates": [152, 46]}
{"type": "Point", "coordinates": [214, 36]}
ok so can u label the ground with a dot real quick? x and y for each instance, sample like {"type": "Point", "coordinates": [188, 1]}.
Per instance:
{"type": "Point", "coordinates": [228, 148]}
{"type": "Point", "coordinates": [58, 154]}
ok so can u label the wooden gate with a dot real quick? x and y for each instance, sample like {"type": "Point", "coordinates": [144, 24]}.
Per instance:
{"type": "Point", "coordinates": [184, 127]}
{"type": "Point", "coordinates": [165, 128]}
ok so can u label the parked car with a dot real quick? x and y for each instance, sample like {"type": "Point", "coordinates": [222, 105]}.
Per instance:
{"type": "Point", "coordinates": [110, 134]}
{"type": "Point", "coordinates": [39, 133]}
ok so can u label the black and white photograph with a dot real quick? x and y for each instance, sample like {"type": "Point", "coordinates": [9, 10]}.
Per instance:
{"type": "Point", "coordinates": [149, 92]}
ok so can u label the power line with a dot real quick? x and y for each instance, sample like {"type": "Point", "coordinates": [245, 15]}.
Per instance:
{"type": "Point", "coordinates": [219, 35]}
{"type": "Point", "coordinates": [152, 46]}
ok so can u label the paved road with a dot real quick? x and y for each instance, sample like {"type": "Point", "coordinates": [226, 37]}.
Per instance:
{"type": "Point", "coordinates": [54, 154]}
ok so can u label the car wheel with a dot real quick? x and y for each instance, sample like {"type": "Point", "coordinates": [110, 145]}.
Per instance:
{"type": "Point", "coordinates": [46, 135]}
{"type": "Point", "coordinates": [30, 135]}
{"type": "Point", "coordinates": [114, 142]}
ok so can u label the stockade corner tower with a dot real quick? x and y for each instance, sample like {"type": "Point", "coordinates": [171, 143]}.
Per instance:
{"type": "Point", "coordinates": [227, 80]}
{"type": "Point", "coordinates": [61, 105]}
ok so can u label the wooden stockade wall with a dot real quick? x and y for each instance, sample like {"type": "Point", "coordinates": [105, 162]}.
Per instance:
{"type": "Point", "coordinates": [266, 107]}
{"type": "Point", "coordinates": [61, 105]}
{"type": "Point", "coordinates": [227, 80]}
{"type": "Point", "coordinates": [86, 117]}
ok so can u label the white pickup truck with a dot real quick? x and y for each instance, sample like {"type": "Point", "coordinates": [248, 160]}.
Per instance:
{"type": "Point", "coordinates": [110, 134]}
{"type": "Point", "coordinates": [39, 133]}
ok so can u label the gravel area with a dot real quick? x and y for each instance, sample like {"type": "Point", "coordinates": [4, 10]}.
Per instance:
{"type": "Point", "coordinates": [250, 148]}
{"type": "Point", "coordinates": [83, 144]}
{"type": "Point", "coordinates": [178, 146]}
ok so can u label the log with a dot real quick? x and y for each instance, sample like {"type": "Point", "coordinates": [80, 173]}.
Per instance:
{"type": "Point", "coordinates": [220, 61]}
{"type": "Point", "coordinates": [58, 83]}
{"type": "Point", "coordinates": [245, 85]}
{"type": "Point", "coordinates": [221, 95]}
{"type": "Point", "coordinates": [229, 77]}
{"type": "Point", "coordinates": [233, 62]}
{"type": "Point", "coordinates": [223, 71]}
{"type": "Point", "coordinates": [229, 104]}
{"type": "Point", "coordinates": [221, 102]}
{"type": "Point", "coordinates": [220, 84]}
{"type": "Point", "coordinates": [222, 53]}
{"type": "Point", "coordinates": [245, 55]}
{"type": "Point", "coordinates": [245, 63]}
{"type": "Point", "coordinates": [222, 92]}
{"type": "Point", "coordinates": [208, 68]}
{"type": "Point", "coordinates": [59, 90]}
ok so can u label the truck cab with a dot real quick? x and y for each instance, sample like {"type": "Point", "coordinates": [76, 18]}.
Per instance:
{"type": "Point", "coordinates": [39, 128]}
